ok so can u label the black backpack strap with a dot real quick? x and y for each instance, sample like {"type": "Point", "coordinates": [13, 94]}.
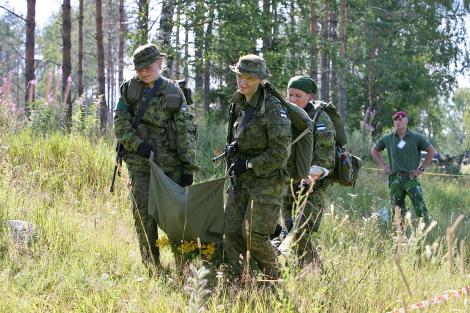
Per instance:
{"type": "Point", "coordinates": [249, 113]}
{"type": "Point", "coordinates": [143, 108]}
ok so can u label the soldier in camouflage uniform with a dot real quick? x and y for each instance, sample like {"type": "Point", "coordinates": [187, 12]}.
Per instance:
{"type": "Point", "coordinates": [258, 170]}
{"type": "Point", "coordinates": [301, 91]}
{"type": "Point", "coordinates": [166, 135]}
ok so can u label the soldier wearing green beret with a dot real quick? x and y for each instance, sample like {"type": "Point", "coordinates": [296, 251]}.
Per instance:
{"type": "Point", "coordinates": [165, 135]}
{"type": "Point", "coordinates": [261, 130]}
{"type": "Point", "coordinates": [301, 91]}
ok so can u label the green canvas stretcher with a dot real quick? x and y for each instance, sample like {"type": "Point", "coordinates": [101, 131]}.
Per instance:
{"type": "Point", "coordinates": [188, 213]}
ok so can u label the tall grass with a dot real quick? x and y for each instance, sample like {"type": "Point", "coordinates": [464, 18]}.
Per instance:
{"type": "Point", "coordinates": [87, 259]}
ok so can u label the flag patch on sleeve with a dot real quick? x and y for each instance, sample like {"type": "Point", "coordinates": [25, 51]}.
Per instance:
{"type": "Point", "coordinates": [283, 113]}
{"type": "Point", "coordinates": [321, 127]}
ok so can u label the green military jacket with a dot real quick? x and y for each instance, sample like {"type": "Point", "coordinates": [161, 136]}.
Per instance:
{"type": "Point", "coordinates": [324, 147]}
{"type": "Point", "coordinates": [171, 133]}
{"type": "Point", "coordinates": [266, 139]}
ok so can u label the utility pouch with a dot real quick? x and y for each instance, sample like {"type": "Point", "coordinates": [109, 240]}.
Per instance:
{"type": "Point", "coordinates": [173, 98]}
{"type": "Point", "coordinates": [134, 91]}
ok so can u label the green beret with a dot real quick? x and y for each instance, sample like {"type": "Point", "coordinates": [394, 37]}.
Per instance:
{"type": "Point", "coordinates": [304, 83]}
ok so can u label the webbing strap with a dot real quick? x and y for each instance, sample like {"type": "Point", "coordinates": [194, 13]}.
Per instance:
{"type": "Point", "coordinates": [143, 108]}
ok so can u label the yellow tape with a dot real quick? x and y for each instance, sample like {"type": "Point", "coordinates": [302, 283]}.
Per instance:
{"type": "Point", "coordinates": [424, 173]}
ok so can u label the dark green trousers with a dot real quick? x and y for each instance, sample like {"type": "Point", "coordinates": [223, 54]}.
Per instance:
{"type": "Point", "coordinates": [251, 215]}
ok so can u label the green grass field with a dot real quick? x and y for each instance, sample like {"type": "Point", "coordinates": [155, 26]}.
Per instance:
{"type": "Point", "coordinates": [87, 259]}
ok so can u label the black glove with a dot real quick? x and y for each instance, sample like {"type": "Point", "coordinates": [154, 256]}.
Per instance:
{"type": "Point", "coordinates": [186, 180]}
{"type": "Point", "coordinates": [237, 168]}
{"type": "Point", "coordinates": [144, 150]}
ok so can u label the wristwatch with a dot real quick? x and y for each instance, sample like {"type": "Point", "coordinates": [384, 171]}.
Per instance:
{"type": "Point", "coordinates": [421, 168]}
{"type": "Point", "coordinates": [248, 164]}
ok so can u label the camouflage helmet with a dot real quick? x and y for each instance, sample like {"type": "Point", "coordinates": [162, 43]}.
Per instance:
{"type": "Point", "coordinates": [251, 65]}
{"type": "Point", "coordinates": [145, 55]}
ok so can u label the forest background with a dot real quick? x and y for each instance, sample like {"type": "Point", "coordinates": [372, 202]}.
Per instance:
{"type": "Point", "coordinates": [61, 63]}
{"type": "Point", "coordinates": [370, 58]}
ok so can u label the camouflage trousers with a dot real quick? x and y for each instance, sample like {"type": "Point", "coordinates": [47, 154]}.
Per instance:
{"type": "Point", "coordinates": [251, 215]}
{"type": "Point", "coordinates": [146, 226]}
{"type": "Point", "coordinates": [309, 221]}
{"type": "Point", "coordinates": [400, 187]}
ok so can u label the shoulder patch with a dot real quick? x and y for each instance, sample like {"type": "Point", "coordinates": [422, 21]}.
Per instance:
{"type": "Point", "coordinates": [321, 127]}
{"type": "Point", "coordinates": [121, 106]}
{"type": "Point", "coordinates": [283, 113]}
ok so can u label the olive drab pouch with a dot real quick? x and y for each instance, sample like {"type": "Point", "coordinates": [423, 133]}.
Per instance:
{"type": "Point", "coordinates": [134, 91]}
{"type": "Point", "coordinates": [346, 167]}
{"type": "Point", "coordinates": [173, 99]}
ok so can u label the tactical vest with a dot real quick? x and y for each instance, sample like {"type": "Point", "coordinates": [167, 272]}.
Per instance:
{"type": "Point", "coordinates": [299, 162]}
{"type": "Point", "coordinates": [133, 97]}
{"type": "Point", "coordinates": [136, 88]}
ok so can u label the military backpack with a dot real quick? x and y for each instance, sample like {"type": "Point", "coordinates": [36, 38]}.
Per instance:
{"type": "Point", "coordinates": [172, 103]}
{"type": "Point", "coordinates": [135, 90]}
{"type": "Point", "coordinates": [347, 165]}
{"type": "Point", "coordinates": [300, 159]}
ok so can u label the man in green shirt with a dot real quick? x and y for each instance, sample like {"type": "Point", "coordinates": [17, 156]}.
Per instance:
{"type": "Point", "coordinates": [404, 148]}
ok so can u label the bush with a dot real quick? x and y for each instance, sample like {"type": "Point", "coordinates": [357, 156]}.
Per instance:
{"type": "Point", "coordinates": [359, 143]}
{"type": "Point", "coordinates": [47, 117]}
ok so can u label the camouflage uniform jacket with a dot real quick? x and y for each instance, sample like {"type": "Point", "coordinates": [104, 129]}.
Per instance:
{"type": "Point", "coordinates": [266, 139]}
{"type": "Point", "coordinates": [324, 148]}
{"type": "Point", "coordinates": [171, 134]}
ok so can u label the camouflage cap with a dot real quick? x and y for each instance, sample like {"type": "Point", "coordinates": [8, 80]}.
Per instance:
{"type": "Point", "coordinates": [251, 65]}
{"type": "Point", "coordinates": [146, 55]}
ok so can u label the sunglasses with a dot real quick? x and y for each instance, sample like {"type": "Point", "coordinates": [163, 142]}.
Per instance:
{"type": "Point", "coordinates": [399, 117]}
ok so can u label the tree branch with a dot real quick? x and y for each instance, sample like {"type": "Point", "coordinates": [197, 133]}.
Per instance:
{"type": "Point", "coordinates": [17, 51]}
{"type": "Point", "coordinates": [13, 13]}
